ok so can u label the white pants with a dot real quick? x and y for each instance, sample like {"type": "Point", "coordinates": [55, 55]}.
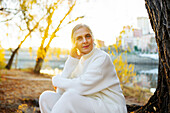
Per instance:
{"type": "Point", "coordinates": [68, 102]}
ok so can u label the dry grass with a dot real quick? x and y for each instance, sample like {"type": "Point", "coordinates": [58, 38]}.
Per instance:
{"type": "Point", "coordinates": [136, 95]}
{"type": "Point", "coordinates": [20, 90]}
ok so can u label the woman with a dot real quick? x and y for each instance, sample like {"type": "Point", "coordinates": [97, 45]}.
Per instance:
{"type": "Point", "coordinates": [88, 83]}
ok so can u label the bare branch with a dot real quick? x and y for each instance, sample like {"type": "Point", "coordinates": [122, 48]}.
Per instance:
{"type": "Point", "coordinates": [58, 27]}
{"type": "Point", "coordinates": [30, 31]}
{"type": "Point", "coordinates": [10, 18]}
{"type": "Point", "coordinates": [19, 27]}
{"type": "Point", "coordinates": [80, 17]}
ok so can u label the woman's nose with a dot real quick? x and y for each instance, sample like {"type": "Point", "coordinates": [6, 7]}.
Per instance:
{"type": "Point", "coordinates": [84, 40]}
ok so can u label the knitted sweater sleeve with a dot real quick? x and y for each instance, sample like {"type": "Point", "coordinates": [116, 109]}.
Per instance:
{"type": "Point", "coordinates": [70, 65]}
{"type": "Point", "coordinates": [99, 75]}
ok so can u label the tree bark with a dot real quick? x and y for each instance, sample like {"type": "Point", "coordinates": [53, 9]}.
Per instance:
{"type": "Point", "coordinates": [38, 66]}
{"type": "Point", "coordinates": [8, 66]}
{"type": "Point", "coordinates": [159, 15]}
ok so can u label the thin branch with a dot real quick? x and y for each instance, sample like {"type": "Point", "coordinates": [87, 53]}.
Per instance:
{"type": "Point", "coordinates": [49, 21]}
{"type": "Point", "coordinates": [58, 27]}
{"type": "Point", "coordinates": [80, 17]}
{"type": "Point", "coordinates": [6, 9]}
{"type": "Point", "coordinates": [10, 18]}
{"type": "Point", "coordinates": [30, 31]}
{"type": "Point", "coordinates": [19, 27]}
{"type": "Point", "coordinates": [71, 8]}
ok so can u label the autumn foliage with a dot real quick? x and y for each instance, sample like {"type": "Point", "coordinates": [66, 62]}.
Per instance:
{"type": "Point", "coordinates": [2, 57]}
{"type": "Point", "coordinates": [124, 70]}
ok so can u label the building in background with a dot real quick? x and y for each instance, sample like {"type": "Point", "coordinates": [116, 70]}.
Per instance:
{"type": "Point", "coordinates": [137, 32]}
{"type": "Point", "coordinates": [127, 38]}
{"type": "Point", "coordinates": [138, 39]}
{"type": "Point", "coordinates": [147, 43]}
{"type": "Point", "coordinates": [143, 24]}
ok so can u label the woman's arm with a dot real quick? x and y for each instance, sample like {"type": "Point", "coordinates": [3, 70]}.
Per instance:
{"type": "Point", "coordinates": [100, 74]}
{"type": "Point", "coordinates": [69, 67]}
{"type": "Point", "coordinates": [71, 63]}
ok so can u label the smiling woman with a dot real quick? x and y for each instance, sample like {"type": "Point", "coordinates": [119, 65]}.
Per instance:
{"type": "Point", "coordinates": [82, 39]}
{"type": "Point", "coordinates": [88, 83]}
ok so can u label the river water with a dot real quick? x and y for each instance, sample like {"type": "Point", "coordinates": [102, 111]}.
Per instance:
{"type": "Point", "coordinates": [146, 68]}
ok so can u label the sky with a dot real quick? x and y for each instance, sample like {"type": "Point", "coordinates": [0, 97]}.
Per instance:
{"type": "Point", "coordinates": [106, 18]}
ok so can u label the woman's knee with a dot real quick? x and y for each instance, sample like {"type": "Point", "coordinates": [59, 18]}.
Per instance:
{"type": "Point", "coordinates": [68, 99]}
{"type": "Point", "coordinates": [49, 96]}
{"type": "Point", "coordinates": [48, 99]}
{"type": "Point", "coordinates": [70, 96]}
{"type": "Point", "coordinates": [44, 96]}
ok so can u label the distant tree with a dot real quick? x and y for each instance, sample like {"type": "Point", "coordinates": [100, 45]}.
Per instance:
{"type": "Point", "coordinates": [9, 64]}
{"type": "Point", "coordinates": [124, 70]}
{"type": "Point", "coordinates": [42, 50]}
{"type": "Point", "coordinates": [29, 12]}
{"type": "Point", "coordinates": [28, 21]}
{"type": "Point", "coordinates": [159, 14]}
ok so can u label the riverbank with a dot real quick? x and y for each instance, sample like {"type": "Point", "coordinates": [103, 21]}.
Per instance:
{"type": "Point", "coordinates": [24, 59]}
{"type": "Point", "coordinates": [20, 91]}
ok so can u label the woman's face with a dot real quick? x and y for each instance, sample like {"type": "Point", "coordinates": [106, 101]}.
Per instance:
{"type": "Point", "coordinates": [83, 40]}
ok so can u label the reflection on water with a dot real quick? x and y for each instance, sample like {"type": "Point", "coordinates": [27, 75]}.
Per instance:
{"type": "Point", "coordinates": [146, 75]}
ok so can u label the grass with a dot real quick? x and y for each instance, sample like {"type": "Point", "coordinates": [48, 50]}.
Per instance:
{"type": "Point", "coordinates": [140, 94]}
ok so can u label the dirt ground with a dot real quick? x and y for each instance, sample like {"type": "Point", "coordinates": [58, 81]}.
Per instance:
{"type": "Point", "coordinates": [20, 90]}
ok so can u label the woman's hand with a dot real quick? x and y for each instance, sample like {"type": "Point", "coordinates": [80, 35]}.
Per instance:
{"type": "Point", "coordinates": [55, 88]}
{"type": "Point", "coordinates": [74, 53]}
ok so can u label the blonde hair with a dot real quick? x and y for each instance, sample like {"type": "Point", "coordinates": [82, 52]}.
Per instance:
{"type": "Point", "coordinates": [78, 26]}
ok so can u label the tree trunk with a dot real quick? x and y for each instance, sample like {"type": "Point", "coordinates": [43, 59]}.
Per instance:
{"type": "Point", "coordinates": [159, 14]}
{"type": "Point", "coordinates": [9, 64]}
{"type": "Point", "coordinates": [38, 66]}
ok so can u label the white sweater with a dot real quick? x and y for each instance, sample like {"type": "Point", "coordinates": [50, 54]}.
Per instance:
{"type": "Point", "coordinates": [93, 76]}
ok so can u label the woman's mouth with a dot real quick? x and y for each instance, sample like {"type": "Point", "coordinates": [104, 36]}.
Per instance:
{"type": "Point", "coordinates": [86, 46]}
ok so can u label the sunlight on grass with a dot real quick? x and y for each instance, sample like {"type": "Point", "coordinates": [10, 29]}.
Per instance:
{"type": "Point", "coordinates": [142, 95]}
{"type": "Point", "coordinates": [50, 71]}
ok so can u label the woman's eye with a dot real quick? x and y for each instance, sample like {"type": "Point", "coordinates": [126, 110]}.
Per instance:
{"type": "Point", "coordinates": [79, 38]}
{"type": "Point", "coordinates": [88, 35]}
